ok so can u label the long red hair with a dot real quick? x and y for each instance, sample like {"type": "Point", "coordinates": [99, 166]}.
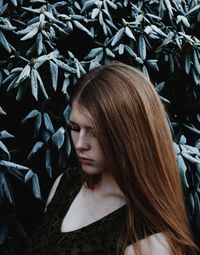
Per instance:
{"type": "Point", "coordinates": [132, 129]}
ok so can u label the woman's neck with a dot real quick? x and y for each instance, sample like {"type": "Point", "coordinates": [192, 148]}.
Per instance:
{"type": "Point", "coordinates": [107, 186]}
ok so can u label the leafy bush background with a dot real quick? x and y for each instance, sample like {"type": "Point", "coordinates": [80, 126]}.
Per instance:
{"type": "Point", "coordinates": [45, 48]}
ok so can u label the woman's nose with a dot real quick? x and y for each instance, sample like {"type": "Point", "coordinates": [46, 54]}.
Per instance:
{"type": "Point", "coordinates": [82, 143]}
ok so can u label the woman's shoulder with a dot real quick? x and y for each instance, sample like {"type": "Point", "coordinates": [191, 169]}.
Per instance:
{"type": "Point", "coordinates": [69, 176]}
{"type": "Point", "coordinates": [153, 244]}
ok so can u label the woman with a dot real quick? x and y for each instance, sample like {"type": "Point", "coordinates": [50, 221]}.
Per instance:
{"type": "Point", "coordinates": [128, 199]}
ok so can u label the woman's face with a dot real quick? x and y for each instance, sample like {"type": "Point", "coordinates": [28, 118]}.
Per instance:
{"type": "Point", "coordinates": [85, 142]}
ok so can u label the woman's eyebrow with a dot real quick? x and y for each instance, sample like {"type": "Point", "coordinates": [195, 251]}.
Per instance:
{"type": "Point", "coordinates": [74, 123]}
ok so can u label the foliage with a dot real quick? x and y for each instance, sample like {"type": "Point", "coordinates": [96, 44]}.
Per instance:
{"type": "Point", "coordinates": [47, 45]}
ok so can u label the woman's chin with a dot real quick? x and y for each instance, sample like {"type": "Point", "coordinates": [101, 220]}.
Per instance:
{"type": "Point", "coordinates": [91, 170]}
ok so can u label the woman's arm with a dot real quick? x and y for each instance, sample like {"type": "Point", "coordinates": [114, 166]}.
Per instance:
{"type": "Point", "coordinates": [152, 245]}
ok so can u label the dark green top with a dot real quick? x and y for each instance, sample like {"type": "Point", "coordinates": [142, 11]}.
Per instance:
{"type": "Point", "coordinates": [98, 238]}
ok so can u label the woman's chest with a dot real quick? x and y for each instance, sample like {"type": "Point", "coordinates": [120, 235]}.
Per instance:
{"type": "Point", "coordinates": [86, 209]}
{"type": "Point", "coordinates": [99, 237]}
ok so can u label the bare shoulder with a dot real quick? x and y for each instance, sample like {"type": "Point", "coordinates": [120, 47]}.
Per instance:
{"type": "Point", "coordinates": [53, 190]}
{"type": "Point", "coordinates": [156, 243]}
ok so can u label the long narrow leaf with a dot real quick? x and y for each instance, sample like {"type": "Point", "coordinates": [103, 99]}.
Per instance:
{"type": "Point", "coordinates": [4, 188]}
{"type": "Point", "coordinates": [4, 134]}
{"type": "Point", "coordinates": [118, 36]}
{"type": "Point", "coordinates": [142, 47]}
{"type": "Point", "coordinates": [4, 43]}
{"type": "Point", "coordinates": [38, 123]}
{"type": "Point", "coordinates": [24, 74]}
{"type": "Point", "coordinates": [196, 62]}
{"type": "Point", "coordinates": [4, 149]}
{"type": "Point", "coordinates": [34, 84]}
{"type": "Point", "coordinates": [48, 123]}
{"type": "Point", "coordinates": [81, 27]}
{"type": "Point", "coordinates": [39, 43]}
{"type": "Point", "coordinates": [31, 34]}
{"type": "Point", "coordinates": [28, 175]}
{"type": "Point", "coordinates": [59, 137]}
{"type": "Point", "coordinates": [2, 112]}
{"type": "Point", "coordinates": [129, 33]}
{"type": "Point", "coordinates": [48, 162]}
{"type": "Point", "coordinates": [31, 114]}
{"type": "Point", "coordinates": [54, 74]}
{"type": "Point", "coordinates": [36, 186]}
{"type": "Point", "coordinates": [41, 84]}
{"type": "Point", "coordinates": [37, 146]}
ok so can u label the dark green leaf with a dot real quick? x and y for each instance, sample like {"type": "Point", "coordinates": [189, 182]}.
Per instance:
{"type": "Point", "coordinates": [66, 83]}
{"type": "Point", "coordinates": [54, 74]}
{"type": "Point", "coordinates": [87, 5]}
{"type": "Point", "coordinates": [142, 47]}
{"type": "Point", "coordinates": [117, 36]}
{"type": "Point", "coordinates": [153, 64]}
{"type": "Point", "coordinates": [38, 123]}
{"type": "Point", "coordinates": [121, 49]}
{"type": "Point", "coordinates": [9, 78]}
{"type": "Point", "coordinates": [168, 6]}
{"type": "Point", "coordinates": [34, 84]}
{"type": "Point", "coordinates": [160, 87]}
{"type": "Point", "coordinates": [67, 113]}
{"type": "Point", "coordinates": [41, 84]}
{"type": "Point", "coordinates": [4, 134]}
{"type": "Point", "coordinates": [194, 9]}
{"type": "Point", "coordinates": [67, 145]}
{"type": "Point", "coordinates": [31, 114]}
{"type": "Point", "coordinates": [39, 43]}
{"type": "Point", "coordinates": [2, 112]}
{"type": "Point", "coordinates": [14, 2]}
{"type": "Point", "coordinates": [129, 33]}
{"type": "Point", "coordinates": [36, 186]}
{"type": "Point", "coordinates": [171, 63]}
{"type": "Point", "coordinates": [4, 43]}
{"type": "Point", "coordinates": [110, 53]}
{"type": "Point", "coordinates": [182, 169]}
{"type": "Point", "coordinates": [190, 207]}
{"type": "Point", "coordinates": [58, 137]}
{"type": "Point", "coordinates": [13, 169]}
{"type": "Point", "coordinates": [94, 52]}
{"type": "Point", "coordinates": [4, 230]}
{"type": "Point", "coordinates": [130, 51]}
{"type": "Point", "coordinates": [28, 175]}
{"type": "Point", "coordinates": [31, 34]}
{"type": "Point", "coordinates": [81, 27]}
{"type": "Point", "coordinates": [196, 62]}
{"type": "Point", "coordinates": [32, 10]}
{"type": "Point", "coordinates": [190, 158]}
{"type": "Point", "coordinates": [24, 74]}
{"type": "Point", "coordinates": [12, 84]}
{"type": "Point", "coordinates": [48, 123]}
{"type": "Point", "coordinates": [64, 66]}
{"type": "Point", "coordinates": [192, 128]}
{"type": "Point", "coordinates": [187, 63]}
{"type": "Point", "coordinates": [4, 188]}
{"type": "Point", "coordinates": [4, 149]}
{"type": "Point", "coordinates": [197, 209]}
{"type": "Point", "coordinates": [95, 12]}
{"type": "Point", "coordinates": [48, 162]}
{"type": "Point", "coordinates": [37, 146]}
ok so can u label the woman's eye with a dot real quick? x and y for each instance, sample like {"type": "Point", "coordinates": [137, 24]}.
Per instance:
{"type": "Point", "coordinates": [73, 127]}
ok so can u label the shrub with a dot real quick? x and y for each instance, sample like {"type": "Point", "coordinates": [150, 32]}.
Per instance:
{"type": "Point", "coordinates": [45, 48]}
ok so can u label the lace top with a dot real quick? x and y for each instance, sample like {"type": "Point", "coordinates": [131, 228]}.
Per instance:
{"type": "Point", "coordinates": [99, 238]}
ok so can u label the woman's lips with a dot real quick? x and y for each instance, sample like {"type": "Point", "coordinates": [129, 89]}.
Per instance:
{"type": "Point", "coordinates": [86, 161]}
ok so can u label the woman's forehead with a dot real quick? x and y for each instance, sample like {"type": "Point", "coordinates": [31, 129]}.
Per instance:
{"type": "Point", "coordinates": [80, 113]}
